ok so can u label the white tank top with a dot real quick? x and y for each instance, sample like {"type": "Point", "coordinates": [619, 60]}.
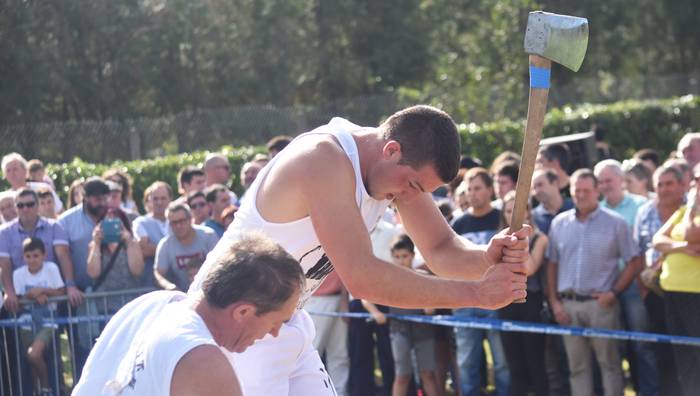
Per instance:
{"type": "Point", "coordinates": [298, 237]}
{"type": "Point", "coordinates": [138, 350]}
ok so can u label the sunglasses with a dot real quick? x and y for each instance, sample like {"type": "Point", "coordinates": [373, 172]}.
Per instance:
{"type": "Point", "coordinates": [22, 205]}
{"type": "Point", "coordinates": [198, 205]}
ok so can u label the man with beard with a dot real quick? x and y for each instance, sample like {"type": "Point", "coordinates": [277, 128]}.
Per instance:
{"type": "Point", "coordinates": [79, 222]}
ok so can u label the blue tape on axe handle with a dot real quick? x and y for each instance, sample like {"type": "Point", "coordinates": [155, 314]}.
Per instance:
{"type": "Point", "coordinates": [539, 77]}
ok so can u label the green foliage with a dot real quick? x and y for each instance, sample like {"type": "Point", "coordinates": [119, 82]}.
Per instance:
{"type": "Point", "coordinates": [629, 126]}
{"type": "Point", "coordinates": [145, 172]}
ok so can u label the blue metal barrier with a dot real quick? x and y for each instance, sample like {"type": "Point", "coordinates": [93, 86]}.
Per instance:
{"type": "Point", "coordinates": [73, 331]}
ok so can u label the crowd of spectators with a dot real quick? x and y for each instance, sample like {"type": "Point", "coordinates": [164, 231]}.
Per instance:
{"type": "Point", "coordinates": [616, 246]}
{"type": "Point", "coordinates": [99, 243]}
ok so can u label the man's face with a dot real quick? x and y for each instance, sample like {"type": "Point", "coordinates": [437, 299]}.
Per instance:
{"type": "Point", "coordinates": [478, 193]}
{"type": "Point", "coordinates": [503, 185]}
{"type": "Point", "coordinates": [610, 184]}
{"type": "Point", "coordinates": [160, 199]}
{"type": "Point", "coordinates": [34, 259]}
{"type": "Point", "coordinates": [391, 180]}
{"type": "Point", "coordinates": [27, 208]}
{"type": "Point", "coordinates": [220, 171]}
{"type": "Point", "coordinates": [584, 194]}
{"type": "Point", "coordinates": [96, 205]}
{"type": "Point", "coordinates": [669, 190]}
{"type": "Point", "coordinates": [8, 209]}
{"type": "Point", "coordinates": [200, 210]}
{"type": "Point", "coordinates": [180, 223]}
{"type": "Point", "coordinates": [46, 206]}
{"type": "Point", "coordinates": [15, 173]}
{"type": "Point", "coordinates": [252, 327]}
{"type": "Point", "coordinates": [691, 152]}
{"type": "Point", "coordinates": [248, 173]}
{"type": "Point", "coordinates": [542, 189]}
{"type": "Point", "coordinates": [197, 183]}
{"type": "Point", "coordinates": [222, 201]}
{"type": "Point", "coordinates": [402, 257]}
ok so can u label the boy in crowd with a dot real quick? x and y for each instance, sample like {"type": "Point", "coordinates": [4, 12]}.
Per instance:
{"type": "Point", "coordinates": [407, 336]}
{"type": "Point", "coordinates": [38, 280]}
{"type": "Point", "coordinates": [47, 205]}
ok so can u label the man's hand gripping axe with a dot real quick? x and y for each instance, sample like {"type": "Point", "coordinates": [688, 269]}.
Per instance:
{"type": "Point", "coordinates": [548, 38]}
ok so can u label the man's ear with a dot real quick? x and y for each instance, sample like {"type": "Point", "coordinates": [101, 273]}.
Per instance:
{"type": "Point", "coordinates": [391, 150]}
{"type": "Point", "coordinates": [243, 311]}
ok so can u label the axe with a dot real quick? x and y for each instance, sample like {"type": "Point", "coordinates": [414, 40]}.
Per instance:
{"type": "Point", "coordinates": [549, 37]}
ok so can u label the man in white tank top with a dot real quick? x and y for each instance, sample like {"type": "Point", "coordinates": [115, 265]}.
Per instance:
{"type": "Point", "coordinates": [166, 343]}
{"type": "Point", "coordinates": [321, 196]}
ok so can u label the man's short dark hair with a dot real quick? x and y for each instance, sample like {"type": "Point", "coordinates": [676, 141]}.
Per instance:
{"type": "Point", "coordinates": [26, 192]}
{"type": "Point", "coordinates": [404, 242]}
{"type": "Point", "coordinates": [35, 165]}
{"type": "Point", "coordinates": [672, 170]}
{"type": "Point", "coordinates": [33, 243]}
{"type": "Point", "coordinates": [557, 152]}
{"type": "Point", "coordinates": [194, 194]}
{"type": "Point", "coordinates": [427, 136]}
{"type": "Point", "coordinates": [480, 173]}
{"type": "Point", "coordinates": [44, 192]}
{"type": "Point", "coordinates": [212, 191]}
{"type": "Point", "coordinates": [648, 154]}
{"type": "Point", "coordinates": [508, 168]}
{"type": "Point", "coordinates": [188, 173]}
{"type": "Point", "coordinates": [176, 206]}
{"type": "Point", "coordinates": [257, 271]}
{"type": "Point", "coordinates": [95, 186]}
{"type": "Point", "coordinates": [278, 143]}
{"type": "Point", "coordinates": [584, 173]}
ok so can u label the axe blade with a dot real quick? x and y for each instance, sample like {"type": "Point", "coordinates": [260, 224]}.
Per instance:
{"type": "Point", "coordinates": [560, 38]}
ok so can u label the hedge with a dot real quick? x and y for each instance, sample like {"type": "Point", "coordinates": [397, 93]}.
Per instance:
{"type": "Point", "coordinates": [630, 125]}
{"type": "Point", "coordinates": [145, 172]}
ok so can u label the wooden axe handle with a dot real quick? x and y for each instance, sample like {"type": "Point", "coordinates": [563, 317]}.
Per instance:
{"type": "Point", "coordinates": [536, 109]}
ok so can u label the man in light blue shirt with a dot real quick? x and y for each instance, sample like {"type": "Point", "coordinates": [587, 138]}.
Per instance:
{"type": "Point", "coordinates": [584, 281]}
{"type": "Point", "coordinates": [611, 178]}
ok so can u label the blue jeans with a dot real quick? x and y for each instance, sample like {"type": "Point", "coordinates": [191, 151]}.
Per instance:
{"type": "Point", "coordinates": [636, 318]}
{"type": "Point", "coordinates": [469, 352]}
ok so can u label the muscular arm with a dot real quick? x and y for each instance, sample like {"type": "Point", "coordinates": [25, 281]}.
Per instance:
{"type": "Point", "coordinates": [327, 185]}
{"type": "Point", "coordinates": [445, 253]}
{"type": "Point", "coordinates": [204, 371]}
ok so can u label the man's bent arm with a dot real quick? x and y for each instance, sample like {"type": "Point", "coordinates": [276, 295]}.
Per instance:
{"type": "Point", "coordinates": [445, 253]}
{"type": "Point", "coordinates": [329, 194]}
{"type": "Point", "coordinates": [204, 371]}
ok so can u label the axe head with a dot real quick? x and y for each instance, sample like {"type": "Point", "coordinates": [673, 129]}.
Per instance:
{"type": "Point", "coordinates": [560, 38]}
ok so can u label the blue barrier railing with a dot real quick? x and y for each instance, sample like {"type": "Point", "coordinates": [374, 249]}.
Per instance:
{"type": "Point", "coordinates": [509, 325]}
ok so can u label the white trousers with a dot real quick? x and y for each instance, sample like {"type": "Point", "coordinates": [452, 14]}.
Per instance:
{"type": "Point", "coordinates": [331, 339]}
{"type": "Point", "coordinates": [284, 365]}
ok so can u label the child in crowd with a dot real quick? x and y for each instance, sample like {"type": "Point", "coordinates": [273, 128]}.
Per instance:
{"type": "Point", "coordinates": [38, 280]}
{"type": "Point", "coordinates": [47, 206]}
{"type": "Point", "coordinates": [37, 173]}
{"type": "Point", "coordinates": [407, 337]}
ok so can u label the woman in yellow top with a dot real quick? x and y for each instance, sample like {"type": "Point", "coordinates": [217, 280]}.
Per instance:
{"type": "Point", "coordinates": [679, 241]}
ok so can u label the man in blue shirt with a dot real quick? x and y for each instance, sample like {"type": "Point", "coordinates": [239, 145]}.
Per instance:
{"type": "Point", "coordinates": [79, 223]}
{"type": "Point", "coordinates": [30, 224]}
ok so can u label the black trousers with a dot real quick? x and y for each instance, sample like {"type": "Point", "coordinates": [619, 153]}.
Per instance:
{"type": "Point", "coordinates": [525, 351]}
{"type": "Point", "coordinates": [668, 381]}
{"type": "Point", "coordinates": [683, 318]}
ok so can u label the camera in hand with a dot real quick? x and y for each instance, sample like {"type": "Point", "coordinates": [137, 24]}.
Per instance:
{"type": "Point", "coordinates": [111, 229]}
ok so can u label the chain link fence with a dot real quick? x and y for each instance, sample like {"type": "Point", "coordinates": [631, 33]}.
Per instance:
{"type": "Point", "coordinates": [110, 140]}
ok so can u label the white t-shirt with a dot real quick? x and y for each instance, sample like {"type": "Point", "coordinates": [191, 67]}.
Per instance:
{"type": "Point", "coordinates": [48, 277]}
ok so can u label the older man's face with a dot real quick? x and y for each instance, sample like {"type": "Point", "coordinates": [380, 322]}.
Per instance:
{"type": "Point", "coordinates": [15, 173]}
{"type": "Point", "coordinates": [610, 183]}
{"type": "Point", "coordinates": [691, 152]}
